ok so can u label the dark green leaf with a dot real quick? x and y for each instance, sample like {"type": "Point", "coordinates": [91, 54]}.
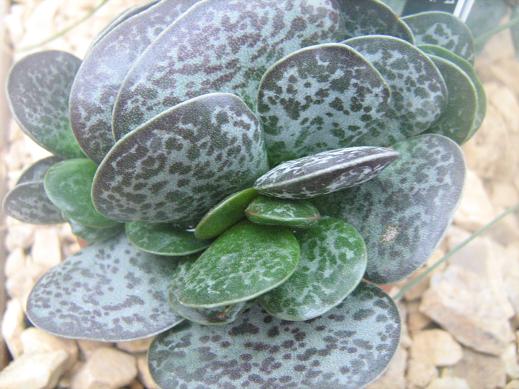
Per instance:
{"type": "Point", "coordinates": [276, 212]}
{"type": "Point", "coordinates": [93, 235]}
{"type": "Point", "coordinates": [36, 172]}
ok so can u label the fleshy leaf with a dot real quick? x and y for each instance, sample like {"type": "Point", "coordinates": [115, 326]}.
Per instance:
{"type": "Point", "coordinates": [418, 91]}
{"type": "Point", "coordinates": [220, 46]}
{"type": "Point", "coordinates": [108, 292]}
{"type": "Point", "coordinates": [276, 212]}
{"type": "Point", "coordinates": [29, 203]}
{"type": "Point", "coordinates": [104, 68]}
{"type": "Point", "coordinates": [396, 5]}
{"type": "Point", "coordinates": [484, 16]}
{"type": "Point", "coordinates": [68, 185]}
{"type": "Point", "coordinates": [348, 347]}
{"type": "Point", "coordinates": [459, 118]}
{"type": "Point", "coordinates": [38, 90]}
{"type": "Point", "coordinates": [163, 239]}
{"type": "Point", "coordinates": [92, 234]}
{"type": "Point", "coordinates": [243, 263]}
{"type": "Point", "coordinates": [333, 262]}
{"type": "Point", "coordinates": [177, 166]}
{"type": "Point", "coordinates": [225, 214]}
{"type": "Point", "coordinates": [371, 17]}
{"type": "Point", "coordinates": [403, 213]}
{"type": "Point", "coordinates": [324, 173]}
{"type": "Point", "coordinates": [443, 29]}
{"type": "Point", "coordinates": [36, 172]}
{"type": "Point", "coordinates": [319, 98]}
{"type": "Point", "coordinates": [211, 316]}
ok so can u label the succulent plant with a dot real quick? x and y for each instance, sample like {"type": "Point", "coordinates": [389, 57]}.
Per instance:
{"type": "Point", "coordinates": [244, 172]}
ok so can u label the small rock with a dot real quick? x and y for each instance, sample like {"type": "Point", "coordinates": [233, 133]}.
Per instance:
{"type": "Point", "coordinates": [393, 378]}
{"type": "Point", "coordinates": [36, 371]}
{"type": "Point", "coordinates": [512, 385]}
{"type": "Point", "coordinates": [46, 250]}
{"type": "Point", "coordinates": [15, 262]}
{"type": "Point", "coordinates": [503, 195]}
{"type": "Point", "coordinates": [481, 371]}
{"type": "Point", "coordinates": [37, 341]}
{"type": "Point", "coordinates": [420, 373]}
{"type": "Point", "coordinates": [66, 380]}
{"type": "Point", "coordinates": [145, 375]}
{"type": "Point", "coordinates": [136, 346]}
{"type": "Point", "coordinates": [106, 368]}
{"type": "Point", "coordinates": [509, 358]}
{"type": "Point", "coordinates": [448, 383]}
{"type": "Point", "coordinates": [13, 325]}
{"type": "Point", "coordinates": [87, 347]}
{"type": "Point", "coordinates": [19, 236]}
{"type": "Point", "coordinates": [437, 347]}
{"type": "Point", "coordinates": [416, 320]}
{"type": "Point", "coordinates": [136, 385]}
{"type": "Point", "coordinates": [20, 284]}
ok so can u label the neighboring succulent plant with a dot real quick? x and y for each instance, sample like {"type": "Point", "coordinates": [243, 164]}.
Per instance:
{"type": "Point", "coordinates": [181, 108]}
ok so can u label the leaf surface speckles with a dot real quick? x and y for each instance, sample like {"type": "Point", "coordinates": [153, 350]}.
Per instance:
{"type": "Point", "coordinates": [37, 171]}
{"type": "Point", "coordinates": [277, 212]}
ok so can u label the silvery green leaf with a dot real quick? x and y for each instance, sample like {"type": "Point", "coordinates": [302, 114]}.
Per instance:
{"type": "Point", "coordinates": [319, 98]}
{"type": "Point", "coordinates": [174, 168]}
{"type": "Point", "coordinates": [36, 172]}
{"type": "Point", "coordinates": [396, 5]}
{"type": "Point", "coordinates": [108, 292]}
{"type": "Point", "coordinates": [38, 89]}
{"type": "Point", "coordinates": [92, 234]}
{"type": "Point", "coordinates": [348, 347]}
{"type": "Point", "coordinates": [403, 213]}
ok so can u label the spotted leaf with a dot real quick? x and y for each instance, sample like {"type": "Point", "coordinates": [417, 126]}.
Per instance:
{"type": "Point", "coordinates": [443, 29]}
{"type": "Point", "coordinates": [325, 172]}
{"type": "Point", "coordinates": [177, 166]}
{"type": "Point", "coordinates": [92, 234]}
{"type": "Point", "coordinates": [319, 98]}
{"type": "Point", "coordinates": [403, 213]}
{"type": "Point", "coordinates": [36, 172]}
{"type": "Point", "coordinates": [109, 292]}
{"type": "Point", "coordinates": [418, 91]}
{"type": "Point", "coordinates": [333, 262]}
{"type": "Point", "coordinates": [38, 90]}
{"type": "Point", "coordinates": [348, 347]}
{"type": "Point", "coordinates": [220, 46]}
{"type": "Point", "coordinates": [162, 239]}
{"type": "Point", "coordinates": [243, 263]}
{"type": "Point", "coordinates": [104, 68]}
{"type": "Point", "coordinates": [276, 212]}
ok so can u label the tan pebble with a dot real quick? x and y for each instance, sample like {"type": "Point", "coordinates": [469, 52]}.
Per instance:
{"type": "Point", "coordinates": [46, 250]}
{"type": "Point", "coordinates": [136, 346]}
{"type": "Point", "coordinates": [420, 373]}
{"type": "Point", "coordinates": [481, 371]}
{"type": "Point", "coordinates": [87, 347]}
{"type": "Point", "coordinates": [394, 377]}
{"type": "Point", "coordinates": [448, 383]}
{"type": "Point", "coordinates": [15, 262]}
{"type": "Point", "coordinates": [13, 324]}
{"type": "Point", "coordinates": [437, 347]}
{"type": "Point", "coordinates": [144, 373]}
{"type": "Point", "coordinates": [37, 341]}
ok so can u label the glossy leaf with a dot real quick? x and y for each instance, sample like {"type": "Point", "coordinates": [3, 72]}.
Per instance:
{"type": "Point", "coordinates": [225, 214]}
{"type": "Point", "coordinates": [68, 185]}
{"type": "Point", "coordinates": [319, 98]}
{"type": "Point", "coordinates": [107, 292]}
{"type": "Point", "coordinates": [348, 347]}
{"type": "Point", "coordinates": [29, 203]}
{"type": "Point", "coordinates": [418, 91]}
{"type": "Point", "coordinates": [324, 173]}
{"type": "Point", "coordinates": [333, 262]}
{"type": "Point", "coordinates": [93, 235]}
{"type": "Point", "coordinates": [38, 89]}
{"type": "Point", "coordinates": [104, 68]}
{"type": "Point", "coordinates": [443, 29]}
{"type": "Point", "coordinates": [176, 167]}
{"type": "Point", "coordinates": [460, 117]}
{"type": "Point", "coordinates": [220, 46]}
{"type": "Point", "coordinates": [403, 213]}
{"type": "Point", "coordinates": [276, 212]}
{"type": "Point", "coordinates": [245, 262]}
{"type": "Point", "coordinates": [163, 239]}
{"type": "Point", "coordinates": [36, 172]}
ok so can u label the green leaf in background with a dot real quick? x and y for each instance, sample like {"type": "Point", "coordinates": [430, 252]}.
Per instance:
{"type": "Point", "coordinates": [93, 235]}
{"type": "Point", "coordinates": [68, 185]}
{"type": "Point", "coordinates": [163, 239]}
{"type": "Point", "coordinates": [107, 292]}
{"type": "Point", "coordinates": [324, 173]}
{"type": "Point", "coordinates": [38, 89]}
{"type": "Point", "coordinates": [36, 172]}
{"type": "Point", "coordinates": [225, 214]}
{"type": "Point", "coordinates": [243, 263]}
{"type": "Point", "coordinates": [442, 29]}
{"type": "Point", "coordinates": [333, 262]}
{"type": "Point", "coordinates": [319, 98]}
{"type": "Point", "coordinates": [348, 347]}
{"type": "Point", "coordinates": [403, 213]}
{"type": "Point", "coordinates": [460, 117]}
{"type": "Point", "coordinates": [485, 16]}
{"type": "Point", "coordinates": [276, 212]}
{"type": "Point", "coordinates": [179, 165]}
{"type": "Point", "coordinates": [414, 105]}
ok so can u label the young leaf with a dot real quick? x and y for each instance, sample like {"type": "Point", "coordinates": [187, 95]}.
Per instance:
{"type": "Point", "coordinates": [418, 91]}
{"type": "Point", "coordinates": [403, 213]}
{"type": "Point", "coordinates": [319, 98]}
{"type": "Point", "coordinates": [333, 262]}
{"type": "Point", "coordinates": [220, 46]}
{"type": "Point", "coordinates": [107, 292]}
{"type": "Point", "coordinates": [225, 214]}
{"type": "Point", "coordinates": [276, 212]}
{"type": "Point", "coordinates": [68, 185]}
{"type": "Point", "coordinates": [348, 347]}
{"type": "Point", "coordinates": [177, 166]}
{"type": "Point", "coordinates": [94, 235]}
{"type": "Point", "coordinates": [243, 263]}
{"type": "Point", "coordinates": [443, 29]}
{"type": "Point", "coordinates": [104, 68]}
{"type": "Point", "coordinates": [38, 89]}
{"type": "Point", "coordinates": [163, 239]}
{"type": "Point", "coordinates": [324, 173]}
{"type": "Point", "coordinates": [36, 172]}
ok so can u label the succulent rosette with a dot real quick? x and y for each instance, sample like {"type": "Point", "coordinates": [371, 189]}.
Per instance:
{"type": "Point", "coordinates": [245, 172]}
